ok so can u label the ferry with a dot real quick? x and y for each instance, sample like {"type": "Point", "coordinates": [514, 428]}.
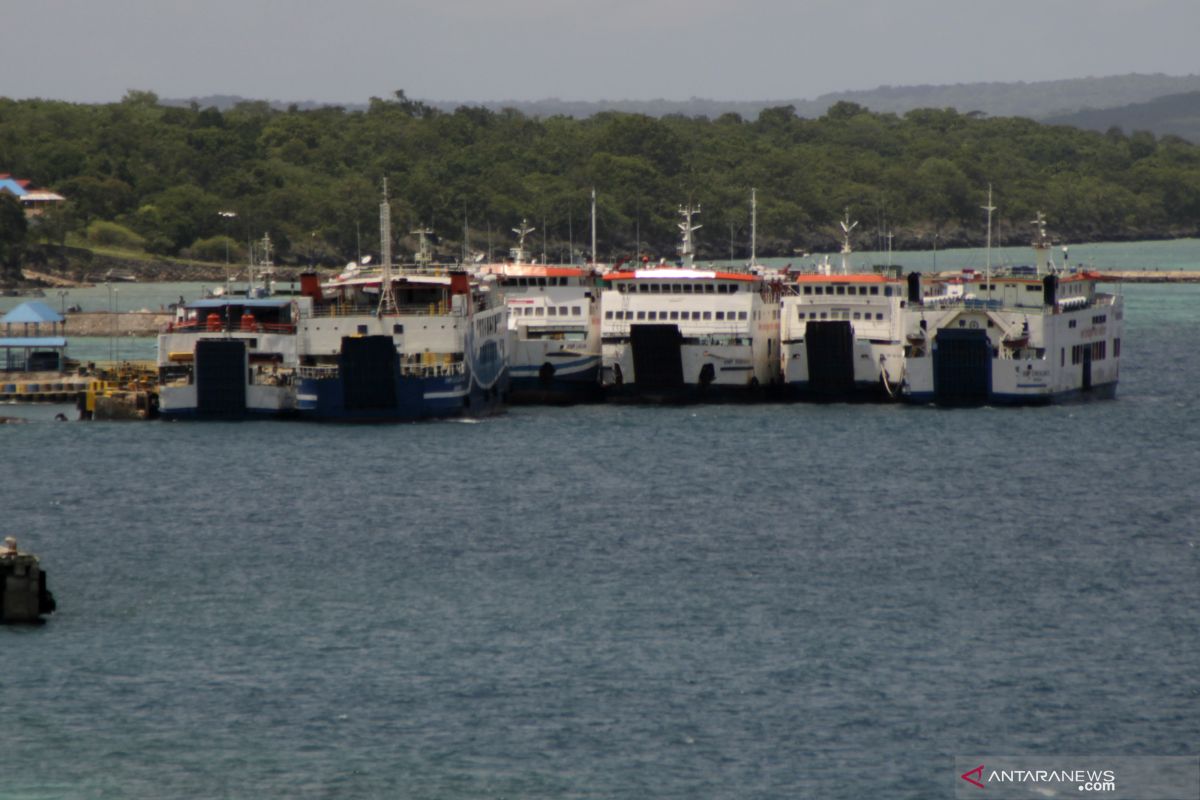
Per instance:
{"type": "Point", "coordinates": [1017, 336]}
{"type": "Point", "coordinates": [230, 358]}
{"type": "Point", "coordinates": [682, 334]}
{"type": "Point", "coordinates": [402, 345]}
{"type": "Point", "coordinates": [842, 335]}
{"type": "Point", "coordinates": [553, 327]}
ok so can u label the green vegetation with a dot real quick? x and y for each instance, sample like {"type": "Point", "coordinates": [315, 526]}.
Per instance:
{"type": "Point", "coordinates": [109, 234]}
{"type": "Point", "coordinates": [1176, 114]}
{"type": "Point", "coordinates": [311, 177]}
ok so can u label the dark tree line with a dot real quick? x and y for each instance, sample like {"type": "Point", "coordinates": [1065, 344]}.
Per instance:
{"type": "Point", "coordinates": [161, 175]}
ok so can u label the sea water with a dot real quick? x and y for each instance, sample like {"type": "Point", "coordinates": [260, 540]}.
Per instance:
{"type": "Point", "coordinates": [769, 601]}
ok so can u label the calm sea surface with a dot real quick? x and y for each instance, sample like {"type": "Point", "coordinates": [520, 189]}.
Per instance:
{"type": "Point", "coordinates": [598, 602]}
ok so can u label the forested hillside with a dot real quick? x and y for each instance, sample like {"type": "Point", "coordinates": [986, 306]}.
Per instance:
{"type": "Point", "coordinates": [1176, 114]}
{"type": "Point", "coordinates": [157, 177]}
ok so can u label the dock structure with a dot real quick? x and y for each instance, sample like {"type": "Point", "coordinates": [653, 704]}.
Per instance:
{"type": "Point", "coordinates": [32, 337]}
{"type": "Point", "coordinates": [24, 598]}
{"type": "Point", "coordinates": [1149, 276]}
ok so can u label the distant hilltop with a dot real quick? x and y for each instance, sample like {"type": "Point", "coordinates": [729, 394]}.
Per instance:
{"type": "Point", "coordinates": [1040, 100]}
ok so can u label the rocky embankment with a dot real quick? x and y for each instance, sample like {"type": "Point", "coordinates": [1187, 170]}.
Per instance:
{"type": "Point", "coordinates": [124, 323]}
{"type": "Point", "coordinates": [72, 266]}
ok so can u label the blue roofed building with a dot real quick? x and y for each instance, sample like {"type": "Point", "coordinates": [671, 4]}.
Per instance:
{"type": "Point", "coordinates": [33, 200]}
{"type": "Point", "coordinates": [33, 338]}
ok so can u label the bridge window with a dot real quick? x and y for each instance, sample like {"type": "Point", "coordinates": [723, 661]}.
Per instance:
{"type": "Point", "coordinates": [608, 315]}
{"type": "Point", "coordinates": [708, 288]}
{"type": "Point", "coordinates": [641, 315]}
{"type": "Point", "coordinates": [741, 315]}
{"type": "Point", "coordinates": [721, 314]}
{"type": "Point", "coordinates": [874, 290]}
{"type": "Point", "coordinates": [707, 315]}
{"type": "Point", "coordinates": [577, 310]}
{"type": "Point", "coordinates": [722, 289]}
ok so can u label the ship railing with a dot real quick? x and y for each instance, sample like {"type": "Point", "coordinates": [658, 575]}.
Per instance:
{"type": "Point", "coordinates": [371, 310]}
{"type": "Point", "coordinates": [406, 370]}
{"type": "Point", "coordinates": [204, 326]}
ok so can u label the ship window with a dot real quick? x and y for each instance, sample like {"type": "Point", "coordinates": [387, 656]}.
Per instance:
{"type": "Point", "coordinates": [696, 315]}
{"type": "Point", "coordinates": [721, 314]}
{"type": "Point", "coordinates": [687, 288]}
{"type": "Point", "coordinates": [722, 289]}
{"type": "Point", "coordinates": [708, 288]}
{"type": "Point", "coordinates": [540, 311]}
{"type": "Point", "coordinates": [622, 288]}
{"type": "Point", "coordinates": [823, 315]}
{"type": "Point", "coordinates": [655, 288]}
{"type": "Point", "coordinates": [362, 329]}
{"type": "Point", "coordinates": [962, 323]}
{"type": "Point", "coordinates": [841, 290]}
{"type": "Point", "coordinates": [641, 315]}
{"type": "Point", "coordinates": [651, 315]}
{"type": "Point", "coordinates": [801, 315]}
{"type": "Point", "coordinates": [887, 291]}
{"type": "Point", "coordinates": [707, 315]}
{"type": "Point", "coordinates": [397, 328]}
{"type": "Point", "coordinates": [874, 290]}
{"type": "Point", "coordinates": [733, 287]}
{"type": "Point", "coordinates": [577, 310]}
{"type": "Point", "coordinates": [808, 290]}
{"type": "Point", "coordinates": [677, 288]}
{"type": "Point", "coordinates": [608, 315]}
{"type": "Point", "coordinates": [562, 311]}
{"type": "Point", "coordinates": [857, 315]}
{"type": "Point", "coordinates": [643, 287]}
{"type": "Point", "coordinates": [1117, 348]}
{"type": "Point", "coordinates": [879, 317]}
{"type": "Point", "coordinates": [552, 311]}
{"type": "Point", "coordinates": [1071, 323]}
{"type": "Point", "coordinates": [741, 315]}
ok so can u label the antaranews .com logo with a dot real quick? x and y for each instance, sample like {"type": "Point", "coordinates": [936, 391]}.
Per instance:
{"type": "Point", "coordinates": [1109, 777]}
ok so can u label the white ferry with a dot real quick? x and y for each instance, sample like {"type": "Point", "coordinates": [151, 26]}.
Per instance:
{"type": "Point", "coordinates": [842, 335]}
{"type": "Point", "coordinates": [230, 358]}
{"type": "Point", "coordinates": [553, 327]}
{"type": "Point", "coordinates": [402, 345]}
{"type": "Point", "coordinates": [678, 334]}
{"type": "Point", "coordinates": [1020, 336]}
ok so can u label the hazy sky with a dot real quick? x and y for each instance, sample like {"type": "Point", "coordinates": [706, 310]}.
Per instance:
{"type": "Point", "coordinates": [349, 50]}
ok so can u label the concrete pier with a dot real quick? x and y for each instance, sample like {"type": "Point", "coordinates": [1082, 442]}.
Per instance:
{"type": "Point", "coordinates": [1149, 276]}
{"type": "Point", "coordinates": [124, 323]}
{"type": "Point", "coordinates": [24, 597]}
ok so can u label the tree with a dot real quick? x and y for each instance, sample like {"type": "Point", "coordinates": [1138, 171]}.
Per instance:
{"type": "Point", "coordinates": [13, 230]}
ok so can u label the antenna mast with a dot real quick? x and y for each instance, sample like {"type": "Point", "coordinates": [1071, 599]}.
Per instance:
{"type": "Point", "coordinates": [753, 228]}
{"type": "Point", "coordinates": [847, 226]}
{"type": "Point", "coordinates": [989, 208]}
{"type": "Point", "coordinates": [593, 227]}
{"type": "Point", "coordinates": [519, 254]}
{"type": "Point", "coordinates": [1041, 245]}
{"type": "Point", "coordinates": [387, 299]}
{"type": "Point", "coordinates": [687, 248]}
